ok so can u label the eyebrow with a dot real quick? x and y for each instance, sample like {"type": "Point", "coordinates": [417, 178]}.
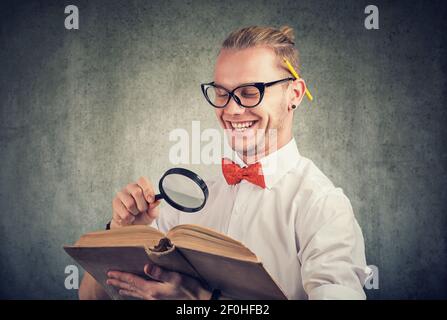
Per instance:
{"type": "Point", "coordinates": [241, 84]}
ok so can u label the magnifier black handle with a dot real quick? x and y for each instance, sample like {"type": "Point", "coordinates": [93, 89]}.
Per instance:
{"type": "Point", "coordinates": [158, 197]}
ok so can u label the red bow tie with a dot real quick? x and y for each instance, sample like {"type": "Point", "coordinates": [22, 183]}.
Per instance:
{"type": "Point", "coordinates": [234, 173]}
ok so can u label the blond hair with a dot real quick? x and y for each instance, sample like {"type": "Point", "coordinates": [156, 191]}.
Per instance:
{"type": "Point", "coordinates": [281, 41]}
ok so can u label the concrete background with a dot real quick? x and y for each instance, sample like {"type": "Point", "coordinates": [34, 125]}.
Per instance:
{"type": "Point", "coordinates": [85, 112]}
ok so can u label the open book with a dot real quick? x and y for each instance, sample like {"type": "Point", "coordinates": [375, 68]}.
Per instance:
{"type": "Point", "coordinates": [213, 258]}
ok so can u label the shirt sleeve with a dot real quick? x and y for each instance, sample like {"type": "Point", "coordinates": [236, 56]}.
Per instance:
{"type": "Point", "coordinates": [332, 252]}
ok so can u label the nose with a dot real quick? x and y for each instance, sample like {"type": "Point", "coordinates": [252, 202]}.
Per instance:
{"type": "Point", "coordinates": [232, 108]}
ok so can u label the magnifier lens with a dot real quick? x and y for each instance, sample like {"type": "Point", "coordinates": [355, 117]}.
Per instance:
{"type": "Point", "coordinates": [183, 190]}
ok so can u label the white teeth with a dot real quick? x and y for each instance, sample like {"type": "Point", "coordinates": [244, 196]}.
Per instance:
{"type": "Point", "coordinates": [242, 125]}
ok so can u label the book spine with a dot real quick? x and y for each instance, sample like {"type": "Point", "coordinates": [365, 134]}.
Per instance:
{"type": "Point", "coordinates": [163, 245]}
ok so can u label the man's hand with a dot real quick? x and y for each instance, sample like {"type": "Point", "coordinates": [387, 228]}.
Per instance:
{"type": "Point", "coordinates": [135, 204]}
{"type": "Point", "coordinates": [173, 285]}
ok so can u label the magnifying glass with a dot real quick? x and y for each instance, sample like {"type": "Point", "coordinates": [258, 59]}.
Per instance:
{"type": "Point", "coordinates": [183, 189]}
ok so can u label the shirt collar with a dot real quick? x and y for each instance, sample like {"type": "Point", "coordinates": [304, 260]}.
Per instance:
{"type": "Point", "coordinates": [276, 164]}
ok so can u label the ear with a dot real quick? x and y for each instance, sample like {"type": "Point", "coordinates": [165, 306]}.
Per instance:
{"type": "Point", "coordinates": [297, 93]}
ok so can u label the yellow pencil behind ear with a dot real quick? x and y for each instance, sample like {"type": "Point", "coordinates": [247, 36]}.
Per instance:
{"type": "Point", "coordinates": [295, 74]}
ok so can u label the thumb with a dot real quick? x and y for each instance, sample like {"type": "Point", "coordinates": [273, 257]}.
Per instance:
{"type": "Point", "coordinates": [147, 269]}
{"type": "Point", "coordinates": [149, 197]}
{"type": "Point", "coordinates": [153, 205]}
{"type": "Point", "coordinates": [152, 212]}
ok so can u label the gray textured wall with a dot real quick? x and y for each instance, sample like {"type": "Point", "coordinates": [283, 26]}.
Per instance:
{"type": "Point", "coordinates": [85, 112]}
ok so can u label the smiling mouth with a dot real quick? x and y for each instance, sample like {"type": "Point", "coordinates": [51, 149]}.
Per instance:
{"type": "Point", "coordinates": [241, 126]}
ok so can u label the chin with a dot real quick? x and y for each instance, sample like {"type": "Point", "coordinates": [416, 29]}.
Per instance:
{"type": "Point", "coordinates": [250, 145]}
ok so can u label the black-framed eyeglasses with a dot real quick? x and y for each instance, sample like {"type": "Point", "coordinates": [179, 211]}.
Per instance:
{"type": "Point", "coordinates": [248, 95]}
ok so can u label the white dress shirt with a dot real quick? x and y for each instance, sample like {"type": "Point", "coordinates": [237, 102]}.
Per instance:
{"type": "Point", "coordinates": [300, 226]}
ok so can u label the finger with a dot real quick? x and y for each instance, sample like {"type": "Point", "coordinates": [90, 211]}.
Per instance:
{"type": "Point", "coordinates": [159, 273]}
{"type": "Point", "coordinates": [133, 280]}
{"type": "Point", "coordinates": [132, 294]}
{"type": "Point", "coordinates": [132, 283]}
{"type": "Point", "coordinates": [137, 193]}
{"type": "Point", "coordinates": [120, 285]}
{"type": "Point", "coordinates": [147, 270]}
{"type": "Point", "coordinates": [128, 201]}
{"type": "Point", "coordinates": [148, 190]}
{"type": "Point", "coordinates": [117, 219]}
{"type": "Point", "coordinates": [152, 213]}
{"type": "Point", "coordinates": [148, 289]}
{"type": "Point", "coordinates": [155, 204]}
{"type": "Point", "coordinates": [121, 213]}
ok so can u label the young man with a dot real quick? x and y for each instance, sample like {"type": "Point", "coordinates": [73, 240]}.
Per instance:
{"type": "Point", "coordinates": [292, 217]}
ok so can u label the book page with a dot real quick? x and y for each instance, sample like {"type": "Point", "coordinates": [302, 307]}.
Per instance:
{"type": "Point", "coordinates": [208, 240]}
{"type": "Point", "coordinates": [122, 237]}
